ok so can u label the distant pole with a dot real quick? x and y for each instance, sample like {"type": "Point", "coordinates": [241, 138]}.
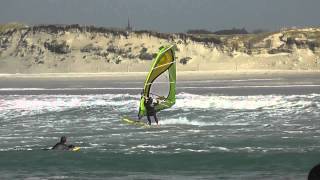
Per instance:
{"type": "Point", "coordinates": [236, 64]}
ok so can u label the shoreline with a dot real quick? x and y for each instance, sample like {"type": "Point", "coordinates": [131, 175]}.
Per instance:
{"type": "Point", "coordinates": [180, 75]}
{"type": "Point", "coordinates": [104, 83]}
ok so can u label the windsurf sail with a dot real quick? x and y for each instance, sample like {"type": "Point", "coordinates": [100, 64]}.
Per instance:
{"type": "Point", "coordinates": [161, 80]}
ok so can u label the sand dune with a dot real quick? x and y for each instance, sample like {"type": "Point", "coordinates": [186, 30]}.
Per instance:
{"type": "Point", "coordinates": [77, 49]}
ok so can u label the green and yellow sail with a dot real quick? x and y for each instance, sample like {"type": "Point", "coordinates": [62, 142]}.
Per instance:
{"type": "Point", "coordinates": [163, 65]}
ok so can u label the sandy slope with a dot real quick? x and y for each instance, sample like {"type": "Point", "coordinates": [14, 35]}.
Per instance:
{"type": "Point", "coordinates": [25, 51]}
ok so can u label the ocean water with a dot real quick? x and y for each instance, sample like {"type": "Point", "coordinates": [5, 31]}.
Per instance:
{"type": "Point", "coordinates": [218, 129]}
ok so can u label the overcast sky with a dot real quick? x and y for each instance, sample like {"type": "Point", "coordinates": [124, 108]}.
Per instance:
{"type": "Point", "coordinates": [166, 15]}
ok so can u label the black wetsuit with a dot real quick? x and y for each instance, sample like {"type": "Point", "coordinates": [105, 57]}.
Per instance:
{"type": "Point", "coordinates": [62, 146]}
{"type": "Point", "coordinates": [151, 111]}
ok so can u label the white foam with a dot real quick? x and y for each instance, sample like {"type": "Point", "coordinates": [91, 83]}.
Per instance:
{"type": "Point", "coordinates": [229, 80]}
{"type": "Point", "coordinates": [66, 89]}
{"type": "Point", "coordinates": [185, 121]}
{"type": "Point", "coordinates": [220, 148]}
{"type": "Point", "coordinates": [246, 86]}
{"type": "Point", "coordinates": [294, 132]}
{"type": "Point", "coordinates": [34, 104]}
{"type": "Point", "coordinates": [19, 105]}
{"type": "Point", "coordinates": [192, 101]}
{"type": "Point", "coordinates": [146, 146]}
{"type": "Point", "coordinates": [225, 102]}
{"type": "Point", "coordinates": [197, 150]}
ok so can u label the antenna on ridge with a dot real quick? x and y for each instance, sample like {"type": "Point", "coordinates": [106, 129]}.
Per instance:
{"type": "Point", "coordinates": [129, 27]}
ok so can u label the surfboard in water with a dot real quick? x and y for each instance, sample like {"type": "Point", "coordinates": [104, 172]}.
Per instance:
{"type": "Point", "coordinates": [75, 149]}
{"type": "Point", "coordinates": [160, 83]}
{"type": "Point", "coordinates": [131, 121]}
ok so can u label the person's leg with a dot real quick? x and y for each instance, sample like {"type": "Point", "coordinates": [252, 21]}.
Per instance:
{"type": "Point", "coordinates": [149, 120]}
{"type": "Point", "coordinates": [155, 118]}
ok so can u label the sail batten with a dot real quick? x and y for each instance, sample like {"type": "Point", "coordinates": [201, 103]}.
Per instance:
{"type": "Point", "coordinates": [164, 62]}
{"type": "Point", "coordinates": [164, 65]}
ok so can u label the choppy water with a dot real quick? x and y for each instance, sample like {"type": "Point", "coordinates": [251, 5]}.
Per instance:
{"type": "Point", "coordinates": [216, 130]}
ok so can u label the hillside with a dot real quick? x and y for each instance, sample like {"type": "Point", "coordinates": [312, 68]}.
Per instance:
{"type": "Point", "coordinates": [75, 48]}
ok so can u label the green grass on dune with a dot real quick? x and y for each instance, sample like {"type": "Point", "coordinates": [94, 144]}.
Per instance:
{"type": "Point", "coordinates": [5, 27]}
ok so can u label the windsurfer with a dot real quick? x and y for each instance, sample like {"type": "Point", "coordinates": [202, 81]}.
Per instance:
{"type": "Point", "coordinates": [62, 145]}
{"type": "Point", "coordinates": [164, 64]}
{"type": "Point", "coordinates": [151, 111]}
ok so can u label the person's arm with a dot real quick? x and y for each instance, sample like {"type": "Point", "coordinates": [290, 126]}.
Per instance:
{"type": "Point", "coordinates": [70, 147]}
{"type": "Point", "coordinates": [54, 147]}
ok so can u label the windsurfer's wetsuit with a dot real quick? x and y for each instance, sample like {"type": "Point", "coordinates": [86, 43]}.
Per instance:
{"type": "Point", "coordinates": [151, 111]}
{"type": "Point", "coordinates": [62, 145]}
